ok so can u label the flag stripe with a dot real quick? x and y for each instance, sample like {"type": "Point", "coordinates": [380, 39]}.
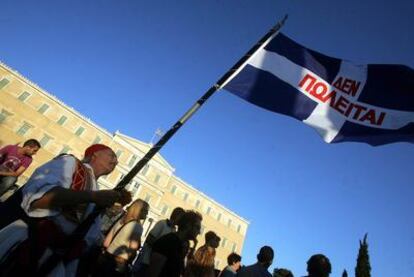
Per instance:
{"type": "Point", "coordinates": [270, 93]}
{"type": "Point", "coordinates": [285, 70]}
{"type": "Point", "coordinates": [323, 66]}
{"type": "Point", "coordinates": [374, 136]}
{"type": "Point", "coordinates": [343, 101]}
{"type": "Point", "coordinates": [389, 86]}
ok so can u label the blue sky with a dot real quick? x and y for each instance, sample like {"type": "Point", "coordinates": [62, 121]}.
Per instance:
{"type": "Point", "coordinates": [135, 66]}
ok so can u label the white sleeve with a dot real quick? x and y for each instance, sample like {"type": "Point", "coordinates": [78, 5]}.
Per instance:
{"type": "Point", "coordinates": [56, 173]}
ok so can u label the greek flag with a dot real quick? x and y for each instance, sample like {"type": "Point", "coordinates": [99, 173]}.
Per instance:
{"type": "Point", "coordinates": [343, 101]}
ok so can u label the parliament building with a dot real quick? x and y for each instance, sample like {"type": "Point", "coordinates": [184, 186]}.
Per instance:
{"type": "Point", "coordinates": [27, 111]}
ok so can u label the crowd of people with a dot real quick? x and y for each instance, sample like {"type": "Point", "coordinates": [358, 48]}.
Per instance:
{"type": "Point", "coordinates": [47, 228]}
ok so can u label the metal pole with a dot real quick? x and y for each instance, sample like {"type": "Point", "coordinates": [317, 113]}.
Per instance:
{"type": "Point", "coordinates": [83, 228]}
{"type": "Point", "coordinates": [219, 84]}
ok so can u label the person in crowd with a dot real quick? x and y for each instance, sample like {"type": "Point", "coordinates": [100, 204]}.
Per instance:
{"type": "Point", "coordinates": [122, 241]}
{"type": "Point", "coordinates": [319, 266]}
{"type": "Point", "coordinates": [168, 253]}
{"type": "Point", "coordinates": [54, 202]}
{"type": "Point", "coordinates": [233, 265]}
{"type": "Point", "coordinates": [259, 269]}
{"type": "Point", "coordinates": [282, 272]}
{"type": "Point", "coordinates": [161, 228]}
{"type": "Point", "coordinates": [202, 264]}
{"type": "Point", "coordinates": [14, 160]}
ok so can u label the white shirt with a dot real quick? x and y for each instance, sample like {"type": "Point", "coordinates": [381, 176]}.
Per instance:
{"type": "Point", "coordinates": [123, 232]}
{"type": "Point", "coordinates": [58, 173]}
{"type": "Point", "coordinates": [55, 173]}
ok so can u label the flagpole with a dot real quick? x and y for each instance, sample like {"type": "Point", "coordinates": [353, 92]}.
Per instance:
{"type": "Point", "coordinates": [83, 228]}
{"type": "Point", "coordinates": [218, 85]}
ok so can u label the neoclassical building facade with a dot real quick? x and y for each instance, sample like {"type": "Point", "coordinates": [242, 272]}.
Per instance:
{"type": "Point", "coordinates": [27, 111]}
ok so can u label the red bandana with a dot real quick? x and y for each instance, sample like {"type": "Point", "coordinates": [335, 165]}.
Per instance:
{"type": "Point", "coordinates": [95, 148]}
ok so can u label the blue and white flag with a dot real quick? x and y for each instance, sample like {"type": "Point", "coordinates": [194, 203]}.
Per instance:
{"type": "Point", "coordinates": [343, 101]}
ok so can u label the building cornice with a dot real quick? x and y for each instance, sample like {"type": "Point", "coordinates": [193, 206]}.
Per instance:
{"type": "Point", "coordinates": [54, 98]}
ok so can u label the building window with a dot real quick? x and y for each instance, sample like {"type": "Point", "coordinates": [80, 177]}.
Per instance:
{"type": "Point", "coordinates": [118, 153]}
{"type": "Point", "coordinates": [208, 210]}
{"type": "Point", "coordinates": [43, 108]}
{"type": "Point", "coordinates": [45, 139]}
{"type": "Point", "coordinates": [121, 176]}
{"type": "Point", "coordinates": [136, 184]}
{"type": "Point", "coordinates": [238, 228]}
{"type": "Point", "coordinates": [23, 129]}
{"type": "Point", "coordinates": [144, 170]}
{"type": "Point", "coordinates": [224, 242]}
{"type": "Point", "coordinates": [234, 247]}
{"type": "Point", "coordinates": [65, 150]}
{"type": "Point", "coordinates": [132, 160]}
{"type": "Point", "coordinates": [79, 131]}
{"type": "Point", "coordinates": [134, 187]}
{"type": "Point", "coordinates": [62, 120]}
{"type": "Point", "coordinates": [229, 222]}
{"type": "Point", "coordinates": [197, 204]}
{"type": "Point", "coordinates": [185, 196]}
{"type": "Point", "coordinates": [164, 210]}
{"type": "Point", "coordinates": [147, 198]}
{"type": "Point", "coordinates": [22, 97]}
{"type": "Point", "coordinates": [157, 179]}
{"type": "Point", "coordinates": [4, 83]}
{"type": "Point", "coordinates": [173, 189]}
{"type": "Point", "coordinates": [97, 140]}
{"type": "Point", "coordinates": [219, 217]}
{"type": "Point", "coordinates": [3, 115]}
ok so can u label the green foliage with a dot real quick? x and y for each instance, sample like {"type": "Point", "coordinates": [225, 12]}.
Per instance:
{"type": "Point", "coordinates": [363, 267]}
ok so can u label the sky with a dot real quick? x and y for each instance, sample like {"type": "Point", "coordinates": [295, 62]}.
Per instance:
{"type": "Point", "coordinates": [135, 66]}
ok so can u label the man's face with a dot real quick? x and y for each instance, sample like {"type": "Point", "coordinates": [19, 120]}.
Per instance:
{"type": "Point", "coordinates": [215, 242]}
{"type": "Point", "coordinates": [194, 230]}
{"type": "Point", "coordinates": [31, 150]}
{"type": "Point", "coordinates": [106, 160]}
{"type": "Point", "coordinates": [236, 266]}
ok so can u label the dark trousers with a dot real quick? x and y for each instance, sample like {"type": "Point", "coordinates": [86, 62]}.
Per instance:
{"type": "Point", "coordinates": [108, 266]}
{"type": "Point", "coordinates": [11, 210]}
{"type": "Point", "coordinates": [6, 182]}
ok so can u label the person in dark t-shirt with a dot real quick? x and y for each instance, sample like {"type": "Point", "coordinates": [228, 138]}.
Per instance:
{"type": "Point", "coordinates": [167, 257]}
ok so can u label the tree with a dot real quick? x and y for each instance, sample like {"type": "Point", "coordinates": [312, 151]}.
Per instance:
{"type": "Point", "coordinates": [363, 268]}
{"type": "Point", "coordinates": [344, 274]}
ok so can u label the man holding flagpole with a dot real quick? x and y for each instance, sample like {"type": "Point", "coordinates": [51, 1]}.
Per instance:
{"type": "Point", "coordinates": [55, 201]}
